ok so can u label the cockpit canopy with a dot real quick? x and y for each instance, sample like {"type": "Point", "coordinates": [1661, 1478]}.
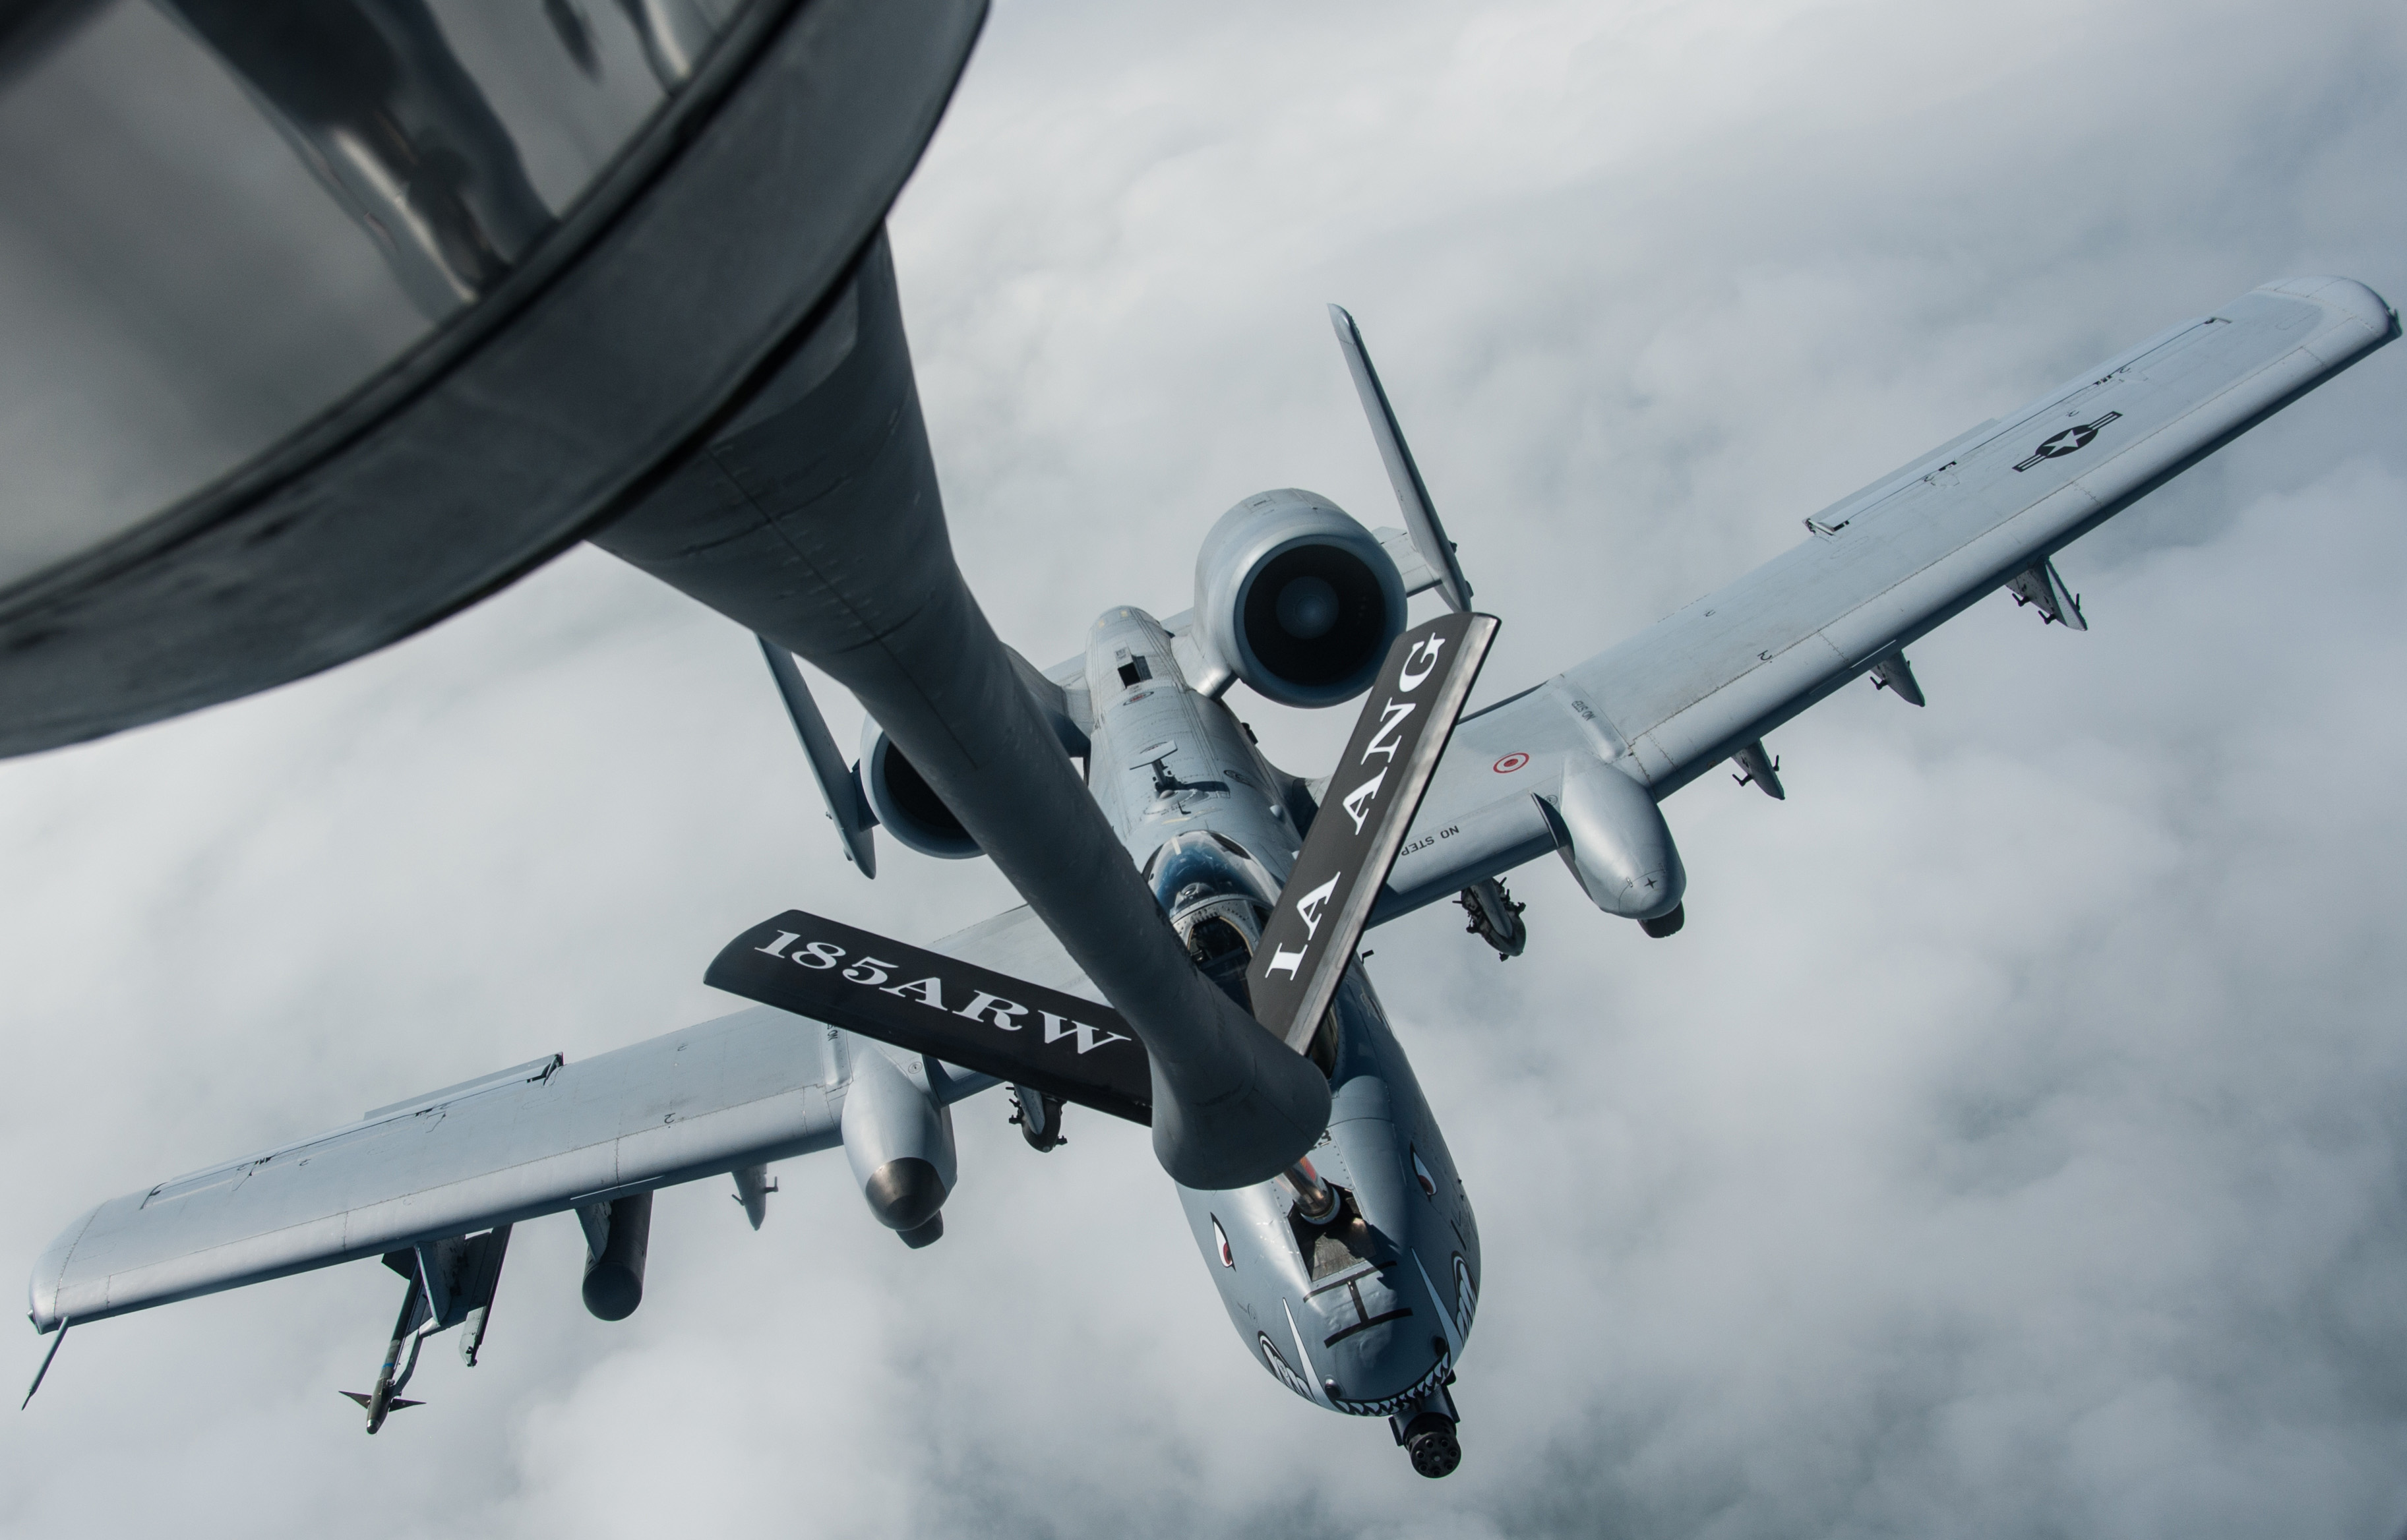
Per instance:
{"type": "Point", "coordinates": [1217, 896]}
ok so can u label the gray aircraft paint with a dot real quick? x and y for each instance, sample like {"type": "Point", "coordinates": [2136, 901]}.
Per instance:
{"type": "Point", "coordinates": [1881, 568]}
{"type": "Point", "coordinates": [1371, 1326]}
{"type": "Point", "coordinates": [1904, 555]}
{"type": "Point", "coordinates": [815, 519]}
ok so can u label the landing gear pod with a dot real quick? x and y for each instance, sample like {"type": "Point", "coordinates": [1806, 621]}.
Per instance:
{"type": "Point", "coordinates": [617, 1237]}
{"type": "Point", "coordinates": [900, 1144]}
{"type": "Point", "coordinates": [1611, 834]}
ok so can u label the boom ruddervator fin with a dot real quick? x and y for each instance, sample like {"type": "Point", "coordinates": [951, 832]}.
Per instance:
{"type": "Point", "coordinates": [984, 1019]}
{"type": "Point", "coordinates": [1412, 493]}
{"type": "Point", "coordinates": [1495, 918]}
{"type": "Point", "coordinates": [1309, 942]}
{"type": "Point", "coordinates": [839, 784]}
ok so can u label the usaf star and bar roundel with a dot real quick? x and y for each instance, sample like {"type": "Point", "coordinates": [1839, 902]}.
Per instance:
{"type": "Point", "coordinates": [2059, 444]}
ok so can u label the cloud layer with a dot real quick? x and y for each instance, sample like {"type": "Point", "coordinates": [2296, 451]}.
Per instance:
{"type": "Point", "coordinates": [2010, 1144]}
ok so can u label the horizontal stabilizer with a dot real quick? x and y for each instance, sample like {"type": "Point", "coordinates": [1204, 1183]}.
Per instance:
{"type": "Point", "coordinates": [957, 1011]}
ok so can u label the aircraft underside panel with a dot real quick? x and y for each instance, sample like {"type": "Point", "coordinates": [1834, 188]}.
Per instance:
{"type": "Point", "coordinates": [1877, 570]}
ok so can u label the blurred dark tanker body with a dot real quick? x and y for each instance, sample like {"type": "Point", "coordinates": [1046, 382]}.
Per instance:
{"type": "Point", "coordinates": [699, 339]}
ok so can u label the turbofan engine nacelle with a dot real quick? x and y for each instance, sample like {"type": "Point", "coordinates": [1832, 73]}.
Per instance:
{"type": "Point", "coordinates": [900, 1144]}
{"type": "Point", "coordinates": [901, 800]}
{"type": "Point", "coordinates": [1297, 598]}
{"type": "Point", "coordinates": [1609, 831]}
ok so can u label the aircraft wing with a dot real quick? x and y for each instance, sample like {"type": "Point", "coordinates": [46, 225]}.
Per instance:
{"type": "Point", "coordinates": [1877, 570]}
{"type": "Point", "coordinates": [546, 1136]}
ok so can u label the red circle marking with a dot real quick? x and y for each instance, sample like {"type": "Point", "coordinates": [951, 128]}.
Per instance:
{"type": "Point", "coordinates": [1510, 763]}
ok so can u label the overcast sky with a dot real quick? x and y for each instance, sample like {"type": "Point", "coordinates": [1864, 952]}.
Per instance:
{"type": "Point", "coordinates": [2015, 1142]}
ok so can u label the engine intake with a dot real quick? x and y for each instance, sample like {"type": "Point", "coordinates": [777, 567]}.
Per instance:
{"type": "Point", "coordinates": [1298, 599]}
{"type": "Point", "coordinates": [904, 801]}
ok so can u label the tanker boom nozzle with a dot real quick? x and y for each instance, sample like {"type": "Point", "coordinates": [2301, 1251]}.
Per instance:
{"type": "Point", "coordinates": [1315, 1201]}
{"type": "Point", "coordinates": [1236, 1107]}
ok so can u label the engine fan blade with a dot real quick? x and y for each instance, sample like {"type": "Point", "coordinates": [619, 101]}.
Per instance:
{"type": "Point", "coordinates": [839, 785]}
{"type": "Point", "coordinates": [1412, 493]}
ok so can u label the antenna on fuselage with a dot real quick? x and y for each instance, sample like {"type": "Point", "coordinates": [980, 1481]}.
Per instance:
{"type": "Point", "coordinates": [1412, 493]}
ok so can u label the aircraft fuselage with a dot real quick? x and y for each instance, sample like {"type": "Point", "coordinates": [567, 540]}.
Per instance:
{"type": "Point", "coordinates": [1364, 1309]}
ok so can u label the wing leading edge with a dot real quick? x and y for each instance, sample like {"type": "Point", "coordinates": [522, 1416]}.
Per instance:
{"type": "Point", "coordinates": [744, 1089]}
{"type": "Point", "coordinates": [1877, 570]}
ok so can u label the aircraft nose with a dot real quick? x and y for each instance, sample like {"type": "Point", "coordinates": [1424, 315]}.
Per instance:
{"type": "Point", "coordinates": [1379, 1335]}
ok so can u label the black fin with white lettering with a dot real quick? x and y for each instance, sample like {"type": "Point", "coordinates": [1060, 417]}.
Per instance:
{"type": "Point", "coordinates": [983, 1021]}
{"type": "Point", "coordinates": [1365, 813]}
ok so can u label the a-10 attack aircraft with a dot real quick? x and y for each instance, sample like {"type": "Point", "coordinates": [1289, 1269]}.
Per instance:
{"type": "Point", "coordinates": [1314, 1178]}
